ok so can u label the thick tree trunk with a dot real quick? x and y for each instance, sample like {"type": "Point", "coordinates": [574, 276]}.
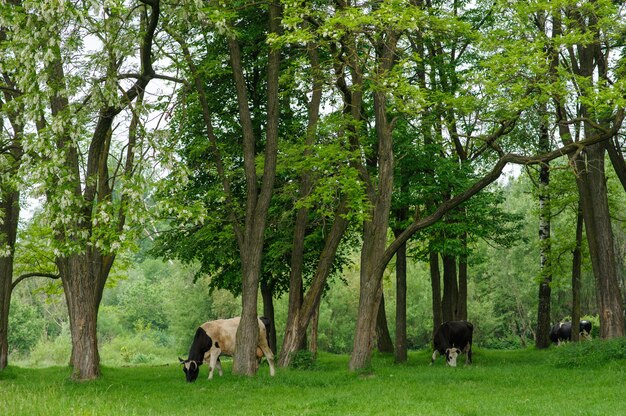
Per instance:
{"type": "Point", "coordinates": [268, 311]}
{"type": "Point", "coordinates": [10, 209]}
{"type": "Point", "coordinates": [6, 275]}
{"type": "Point", "coordinates": [576, 272]}
{"type": "Point", "coordinates": [83, 277]}
{"type": "Point", "coordinates": [435, 284]}
{"type": "Point", "coordinates": [375, 233]}
{"type": "Point", "coordinates": [383, 339]}
{"type": "Point", "coordinates": [450, 289]}
{"type": "Point", "coordinates": [593, 193]}
{"type": "Point", "coordinates": [257, 203]}
{"type": "Point", "coordinates": [401, 340]}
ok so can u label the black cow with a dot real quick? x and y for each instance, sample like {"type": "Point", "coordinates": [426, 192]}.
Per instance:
{"type": "Point", "coordinates": [562, 331]}
{"type": "Point", "coordinates": [451, 339]}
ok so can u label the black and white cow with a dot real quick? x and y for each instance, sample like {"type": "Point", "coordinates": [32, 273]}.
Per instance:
{"type": "Point", "coordinates": [562, 331]}
{"type": "Point", "coordinates": [218, 337]}
{"type": "Point", "coordinates": [451, 339]}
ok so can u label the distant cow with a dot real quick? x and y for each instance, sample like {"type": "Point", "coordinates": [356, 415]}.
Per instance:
{"type": "Point", "coordinates": [218, 337]}
{"type": "Point", "coordinates": [562, 331]}
{"type": "Point", "coordinates": [451, 339]}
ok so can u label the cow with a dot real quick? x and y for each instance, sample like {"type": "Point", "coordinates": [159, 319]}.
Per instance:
{"type": "Point", "coordinates": [562, 331]}
{"type": "Point", "coordinates": [217, 337]}
{"type": "Point", "coordinates": [451, 339]}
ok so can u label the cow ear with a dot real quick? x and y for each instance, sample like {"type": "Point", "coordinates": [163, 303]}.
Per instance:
{"type": "Point", "coordinates": [181, 361]}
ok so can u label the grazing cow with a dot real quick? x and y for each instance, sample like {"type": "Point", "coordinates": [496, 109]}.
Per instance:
{"type": "Point", "coordinates": [562, 331]}
{"type": "Point", "coordinates": [451, 339]}
{"type": "Point", "coordinates": [218, 337]}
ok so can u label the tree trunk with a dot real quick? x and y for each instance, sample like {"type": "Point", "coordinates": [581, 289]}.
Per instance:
{"type": "Point", "coordinates": [268, 311]}
{"type": "Point", "coordinates": [401, 341]}
{"type": "Point", "coordinates": [435, 284]}
{"type": "Point", "coordinates": [593, 192]}
{"type": "Point", "coordinates": [83, 277]}
{"type": "Point", "coordinates": [461, 308]}
{"type": "Point", "coordinates": [383, 339]}
{"type": "Point", "coordinates": [295, 330]}
{"type": "Point", "coordinates": [296, 291]}
{"type": "Point", "coordinates": [257, 203]}
{"type": "Point", "coordinates": [450, 289]}
{"type": "Point", "coordinates": [375, 230]}
{"type": "Point", "coordinates": [9, 212]}
{"type": "Point", "coordinates": [315, 319]}
{"type": "Point", "coordinates": [542, 339]}
{"type": "Point", "coordinates": [576, 269]}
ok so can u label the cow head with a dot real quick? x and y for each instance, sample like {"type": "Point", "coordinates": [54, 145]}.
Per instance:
{"type": "Point", "coordinates": [191, 369]}
{"type": "Point", "coordinates": [451, 355]}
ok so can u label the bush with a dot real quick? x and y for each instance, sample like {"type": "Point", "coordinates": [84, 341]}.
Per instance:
{"type": "Point", "coordinates": [592, 353]}
{"type": "Point", "coordinates": [26, 327]}
{"type": "Point", "coordinates": [303, 360]}
{"type": "Point", "coordinates": [52, 352]}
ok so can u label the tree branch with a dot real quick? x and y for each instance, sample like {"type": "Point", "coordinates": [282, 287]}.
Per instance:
{"type": "Point", "coordinates": [492, 176]}
{"type": "Point", "coordinates": [33, 274]}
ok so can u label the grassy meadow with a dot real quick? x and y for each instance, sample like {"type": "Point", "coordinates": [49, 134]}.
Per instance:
{"type": "Point", "coordinates": [566, 380]}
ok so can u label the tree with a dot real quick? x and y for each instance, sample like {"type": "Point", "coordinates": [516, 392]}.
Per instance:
{"type": "Point", "coordinates": [86, 204]}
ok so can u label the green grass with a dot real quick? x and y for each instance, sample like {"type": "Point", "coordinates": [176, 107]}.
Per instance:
{"type": "Point", "coordinates": [522, 382]}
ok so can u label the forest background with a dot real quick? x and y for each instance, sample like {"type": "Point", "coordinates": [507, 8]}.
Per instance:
{"type": "Point", "coordinates": [305, 144]}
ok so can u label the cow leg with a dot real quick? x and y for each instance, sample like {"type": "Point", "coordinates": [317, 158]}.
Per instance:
{"type": "Point", "coordinates": [219, 367]}
{"type": "Point", "coordinates": [434, 357]}
{"type": "Point", "coordinates": [468, 359]}
{"type": "Point", "coordinates": [269, 355]}
{"type": "Point", "coordinates": [215, 355]}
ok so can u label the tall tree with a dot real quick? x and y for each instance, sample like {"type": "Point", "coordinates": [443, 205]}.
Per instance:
{"type": "Point", "coordinates": [591, 71]}
{"type": "Point", "coordinates": [87, 203]}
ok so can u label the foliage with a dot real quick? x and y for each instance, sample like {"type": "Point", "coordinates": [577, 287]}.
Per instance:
{"type": "Point", "coordinates": [585, 354]}
{"type": "Point", "coordinates": [26, 327]}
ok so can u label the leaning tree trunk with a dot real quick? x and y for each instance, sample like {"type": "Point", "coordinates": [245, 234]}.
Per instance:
{"type": "Point", "coordinates": [383, 339]}
{"type": "Point", "coordinates": [295, 330]}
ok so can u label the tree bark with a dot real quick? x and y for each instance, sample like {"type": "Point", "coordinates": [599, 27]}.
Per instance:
{"type": "Point", "coordinates": [383, 339]}
{"type": "Point", "coordinates": [450, 289]}
{"type": "Point", "coordinates": [9, 212]}
{"type": "Point", "coordinates": [375, 232]}
{"type": "Point", "coordinates": [435, 284]}
{"type": "Point", "coordinates": [461, 308]}
{"type": "Point", "coordinates": [268, 311]}
{"type": "Point", "coordinates": [295, 331]}
{"type": "Point", "coordinates": [401, 339]}
{"type": "Point", "coordinates": [542, 339]}
{"type": "Point", "coordinates": [576, 272]}
{"type": "Point", "coordinates": [592, 188]}
{"type": "Point", "coordinates": [296, 292]}
{"type": "Point", "coordinates": [257, 203]}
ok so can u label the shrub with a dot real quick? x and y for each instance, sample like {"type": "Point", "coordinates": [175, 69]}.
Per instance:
{"type": "Point", "coordinates": [592, 353]}
{"type": "Point", "coordinates": [52, 352]}
{"type": "Point", "coordinates": [26, 327]}
{"type": "Point", "coordinates": [303, 360]}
